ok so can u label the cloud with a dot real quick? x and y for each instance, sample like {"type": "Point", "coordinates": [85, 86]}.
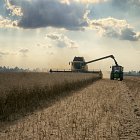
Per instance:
{"type": "Point", "coordinates": [68, 14]}
{"type": "Point", "coordinates": [54, 36]}
{"type": "Point", "coordinates": [114, 28]}
{"type": "Point", "coordinates": [127, 6]}
{"type": "Point", "coordinates": [24, 52]}
{"type": "Point", "coordinates": [84, 1]}
{"type": "Point", "coordinates": [44, 45]}
{"type": "Point", "coordinates": [126, 3]}
{"type": "Point", "coordinates": [3, 53]}
{"type": "Point", "coordinates": [94, 1]}
{"type": "Point", "coordinates": [50, 53]}
{"type": "Point", "coordinates": [14, 9]}
{"type": "Point", "coordinates": [62, 40]}
{"type": "Point", "coordinates": [7, 23]}
{"type": "Point", "coordinates": [45, 13]}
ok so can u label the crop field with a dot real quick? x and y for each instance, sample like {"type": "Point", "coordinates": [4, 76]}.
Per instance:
{"type": "Point", "coordinates": [25, 92]}
{"type": "Point", "coordinates": [102, 110]}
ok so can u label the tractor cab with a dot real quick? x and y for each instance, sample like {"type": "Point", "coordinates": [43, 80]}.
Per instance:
{"type": "Point", "coordinates": [116, 73]}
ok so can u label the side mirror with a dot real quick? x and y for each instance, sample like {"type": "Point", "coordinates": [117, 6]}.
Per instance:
{"type": "Point", "coordinates": [110, 66]}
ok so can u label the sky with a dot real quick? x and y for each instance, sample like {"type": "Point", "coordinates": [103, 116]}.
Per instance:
{"type": "Point", "coordinates": [49, 33]}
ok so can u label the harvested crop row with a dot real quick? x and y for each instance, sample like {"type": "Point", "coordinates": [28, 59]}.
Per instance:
{"type": "Point", "coordinates": [101, 111]}
{"type": "Point", "coordinates": [93, 113]}
{"type": "Point", "coordinates": [25, 92]}
{"type": "Point", "coordinates": [133, 84]}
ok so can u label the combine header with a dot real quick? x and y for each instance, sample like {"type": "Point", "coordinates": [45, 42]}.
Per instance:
{"type": "Point", "coordinates": [80, 65]}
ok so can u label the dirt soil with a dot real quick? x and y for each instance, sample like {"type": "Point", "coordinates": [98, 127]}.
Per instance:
{"type": "Point", "coordinates": [105, 110]}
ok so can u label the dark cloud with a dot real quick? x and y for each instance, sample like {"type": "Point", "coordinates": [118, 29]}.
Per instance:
{"type": "Point", "coordinates": [54, 36]}
{"type": "Point", "coordinates": [129, 34]}
{"type": "Point", "coordinates": [44, 13]}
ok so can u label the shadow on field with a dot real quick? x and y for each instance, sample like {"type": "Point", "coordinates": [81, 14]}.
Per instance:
{"type": "Point", "coordinates": [21, 102]}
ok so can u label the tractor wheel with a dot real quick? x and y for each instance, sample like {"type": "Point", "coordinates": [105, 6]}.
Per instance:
{"type": "Point", "coordinates": [121, 77]}
{"type": "Point", "coordinates": [111, 77]}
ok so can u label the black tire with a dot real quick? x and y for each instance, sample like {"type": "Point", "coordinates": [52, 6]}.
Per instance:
{"type": "Point", "coordinates": [121, 77]}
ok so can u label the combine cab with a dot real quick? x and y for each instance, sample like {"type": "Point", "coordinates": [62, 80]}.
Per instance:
{"type": "Point", "coordinates": [116, 73]}
{"type": "Point", "coordinates": [79, 65]}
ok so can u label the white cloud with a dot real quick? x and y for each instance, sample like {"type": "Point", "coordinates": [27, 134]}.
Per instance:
{"type": "Point", "coordinates": [62, 40]}
{"type": "Point", "coordinates": [15, 10]}
{"type": "Point", "coordinates": [114, 28]}
{"type": "Point", "coordinates": [7, 23]}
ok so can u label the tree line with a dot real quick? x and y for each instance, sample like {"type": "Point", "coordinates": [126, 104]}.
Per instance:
{"type": "Point", "coordinates": [15, 69]}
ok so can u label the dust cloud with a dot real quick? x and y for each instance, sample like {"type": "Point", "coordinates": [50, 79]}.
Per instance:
{"type": "Point", "coordinates": [106, 74]}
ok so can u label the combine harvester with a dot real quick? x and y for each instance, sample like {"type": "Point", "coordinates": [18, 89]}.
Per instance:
{"type": "Point", "coordinates": [79, 65]}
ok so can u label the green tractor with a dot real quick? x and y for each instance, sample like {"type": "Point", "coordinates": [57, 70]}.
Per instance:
{"type": "Point", "coordinates": [116, 73]}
